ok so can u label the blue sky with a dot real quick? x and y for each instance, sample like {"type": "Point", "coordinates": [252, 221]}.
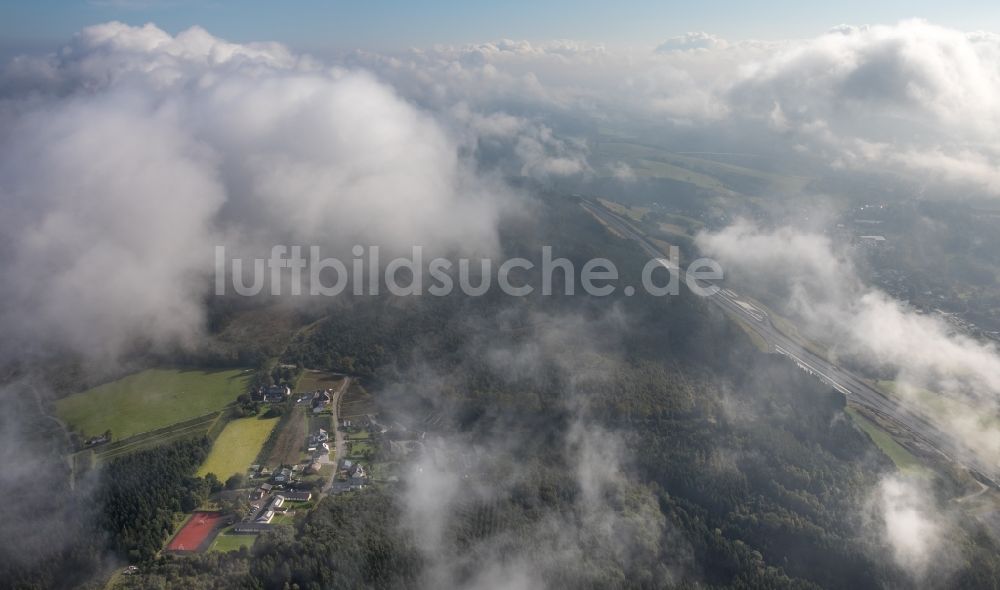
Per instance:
{"type": "Point", "coordinates": [390, 24]}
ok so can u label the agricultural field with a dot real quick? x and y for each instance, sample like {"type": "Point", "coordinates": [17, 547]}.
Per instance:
{"type": "Point", "coordinates": [313, 380]}
{"type": "Point", "coordinates": [150, 400]}
{"type": "Point", "coordinates": [705, 171]}
{"type": "Point", "coordinates": [288, 443]}
{"type": "Point", "coordinates": [357, 402]}
{"type": "Point", "coordinates": [198, 426]}
{"type": "Point", "coordinates": [237, 446]}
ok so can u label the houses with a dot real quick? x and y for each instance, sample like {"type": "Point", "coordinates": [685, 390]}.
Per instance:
{"type": "Point", "coordinates": [282, 476]}
{"type": "Point", "coordinates": [266, 517]}
{"type": "Point", "coordinates": [260, 492]}
{"type": "Point", "coordinates": [271, 394]}
{"type": "Point", "coordinates": [277, 393]}
{"type": "Point", "coordinates": [277, 502]}
{"type": "Point", "coordinates": [321, 398]}
{"type": "Point", "coordinates": [319, 439]}
{"type": "Point", "coordinates": [314, 468]}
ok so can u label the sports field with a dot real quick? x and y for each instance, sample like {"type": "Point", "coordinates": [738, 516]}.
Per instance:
{"type": "Point", "coordinates": [195, 531]}
{"type": "Point", "coordinates": [229, 541]}
{"type": "Point", "coordinates": [237, 446]}
{"type": "Point", "coordinates": [151, 399]}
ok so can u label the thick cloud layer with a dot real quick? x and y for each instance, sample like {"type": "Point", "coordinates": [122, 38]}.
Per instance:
{"type": "Point", "coordinates": [914, 97]}
{"type": "Point", "coordinates": [129, 154]}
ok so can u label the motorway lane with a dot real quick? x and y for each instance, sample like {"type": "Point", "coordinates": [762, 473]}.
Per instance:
{"type": "Point", "coordinates": [844, 381]}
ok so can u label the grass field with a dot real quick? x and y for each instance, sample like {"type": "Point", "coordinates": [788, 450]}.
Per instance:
{"type": "Point", "coordinates": [358, 449]}
{"type": "Point", "coordinates": [903, 459]}
{"type": "Point", "coordinates": [198, 426]}
{"type": "Point", "coordinates": [151, 399]}
{"type": "Point", "coordinates": [227, 541]}
{"type": "Point", "coordinates": [283, 518]}
{"type": "Point", "coordinates": [936, 405]}
{"type": "Point", "coordinates": [237, 446]}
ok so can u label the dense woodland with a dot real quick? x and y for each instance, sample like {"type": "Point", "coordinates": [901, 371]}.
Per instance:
{"type": "Point", "coordinates": [141, 493]}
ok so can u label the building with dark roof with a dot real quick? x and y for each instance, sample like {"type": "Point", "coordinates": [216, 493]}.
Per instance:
{"type": "Point", "coordinates": [297, 496]}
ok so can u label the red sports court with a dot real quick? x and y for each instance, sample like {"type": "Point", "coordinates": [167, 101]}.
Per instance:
{"type": "Point", "coordinates": [195, 532]}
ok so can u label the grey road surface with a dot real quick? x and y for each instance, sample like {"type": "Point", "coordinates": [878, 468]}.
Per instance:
{"type": "Point", "coordinates": [844, 381]}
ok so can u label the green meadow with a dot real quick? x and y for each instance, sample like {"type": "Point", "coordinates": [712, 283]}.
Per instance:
{"type": "Point", "coordinates": [237, 446]}
{"type": "Point", "coordinates": [151, 399]}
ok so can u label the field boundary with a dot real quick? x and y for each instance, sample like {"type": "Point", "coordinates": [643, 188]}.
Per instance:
{"type": "Point", "coordinates": [192, 427]}
{"type": "Point", "coordinates": [272, 439]}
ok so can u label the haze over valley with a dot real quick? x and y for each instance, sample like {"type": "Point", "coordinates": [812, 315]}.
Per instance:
{"type": "Point", "coordinates": [288, 307]}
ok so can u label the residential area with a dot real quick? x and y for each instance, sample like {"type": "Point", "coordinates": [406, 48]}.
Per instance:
{"type": "Point", "coordinates": [276, 448]}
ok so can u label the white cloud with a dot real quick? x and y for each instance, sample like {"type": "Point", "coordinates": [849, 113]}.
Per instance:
{"type": "Point", "coordinates": [132, 152]}
{"type": "Point", "coordinates": [913, 97]}
{"type": "Point", "coordinates": [911, 527]}
{"type": "Point", "coordinates": [823, 293]}
{"type": "Point", "coordinates": [692, 42]}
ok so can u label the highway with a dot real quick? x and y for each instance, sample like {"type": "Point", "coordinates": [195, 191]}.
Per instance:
{"type": "Point", "coordinates": [853, 387]}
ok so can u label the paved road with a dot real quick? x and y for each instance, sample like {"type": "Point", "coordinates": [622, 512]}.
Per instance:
{"type": "Point", "coordinates": [338, 434]}
{"type": "Point", "coordinates": [844, 381]}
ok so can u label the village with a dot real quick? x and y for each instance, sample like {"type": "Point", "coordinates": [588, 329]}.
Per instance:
{"type": "Point", "coordinates": [326, 441]}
